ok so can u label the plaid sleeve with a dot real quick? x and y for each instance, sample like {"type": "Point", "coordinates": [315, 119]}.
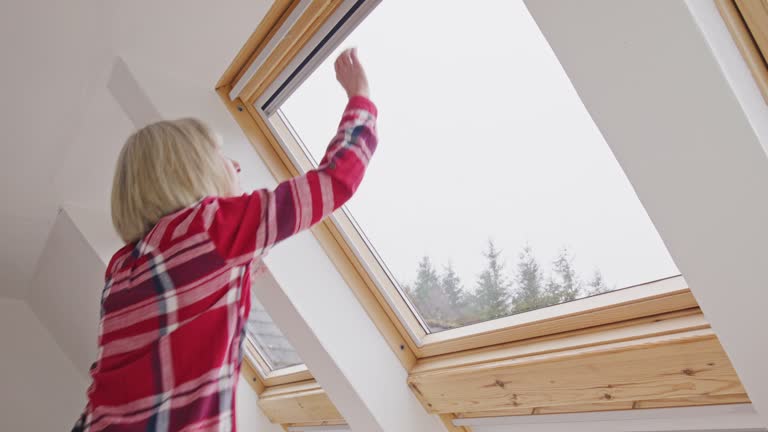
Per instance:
{"type": "Point", "coordinates": [249, 225]}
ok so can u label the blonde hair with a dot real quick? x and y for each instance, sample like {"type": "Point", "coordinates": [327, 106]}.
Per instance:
{"type": "Point", "coordinates": [162, 168]}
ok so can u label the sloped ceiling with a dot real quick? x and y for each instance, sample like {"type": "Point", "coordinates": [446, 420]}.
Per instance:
{"type": "Point", "coordinates": [62, 129]}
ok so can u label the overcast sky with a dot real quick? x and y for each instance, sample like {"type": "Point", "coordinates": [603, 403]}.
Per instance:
{"type": "Point", "coordinates": [481, 136]}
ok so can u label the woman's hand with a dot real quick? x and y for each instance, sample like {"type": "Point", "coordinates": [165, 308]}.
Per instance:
{"type": "Point", "coordinates": [350, 74]}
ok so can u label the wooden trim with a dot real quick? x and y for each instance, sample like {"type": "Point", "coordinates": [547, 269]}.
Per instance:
{"type": "Point", "coordinates": [255, 135]}
{"type": "Point", "coordinates": [448, 419]}
{"type": "Point", "coordinates": [609, 406]}
{"type": "Point", "coordinates": [269, 377]}
{"type": "Point", "coordinates": [272, 21]}
{"type": "Point", "coordinates": [595, 407]}
{"type": "Point", "coordinates": [659, 325]}
{"type": "Point", "coordinates": [650, 299]}
{"type": "Point", "coordinates": [755, 14]}
{"type": "Point", "coordinates": [287, 375]}
{"type": "Point", "coordinates": [739, 398]}
{"type": "Point", "coordinates": [377, 309]}
{"type": "Point", "coordinates": [743, 37]}
{"type": "Point", "coordinates": [498, 413]}
{"type": "Point", "coordinates": [298, 35]}
{"type": "Point", "coordinates": [672, 359]}
{"type": "Point", "coordinates": [254, 356]}
{"type": "Point", "coordinates": [299, 403]}
{"type": "Point", "coordinates": [314, 424]}
{"type": "Point", "coordinates": [252, 376]}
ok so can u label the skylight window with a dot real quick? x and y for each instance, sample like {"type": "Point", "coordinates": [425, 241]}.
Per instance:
{"type": "Point", "coordinates": [269, 342]}
{"type": "Point", "coordinates": [492, 193]}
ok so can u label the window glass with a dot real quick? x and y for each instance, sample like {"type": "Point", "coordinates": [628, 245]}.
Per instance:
{"type": "Point", "coordinates": [492, 191]}
{"type": "Point", "coordinates": [268, 340]}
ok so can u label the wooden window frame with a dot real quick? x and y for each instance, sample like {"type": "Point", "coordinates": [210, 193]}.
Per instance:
{"type": "Point", "coordinates": [655, 315]}
{"type": "Point", "coordinates": [747, 21]}
{"type": "Point", "coordinates": [349, 250]}
{"type": "Point", "coordinates": [289, 396]}
{"type": "Point", "coordinates": [668, 360]}
{"type": "Point", "coordinates": [269, 377]}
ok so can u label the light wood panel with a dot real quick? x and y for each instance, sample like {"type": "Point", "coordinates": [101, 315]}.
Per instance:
{"type": "Point", "coordinates": [567, 343]}
{"type": "Point", "coordinates": [311, 424]}
{"type": "Point", "coordinates": [297, 36]}
{"type": "Point", "coordinates": [612, 307]}
{"type": "Point", "coordinates": [447, 420]}
{"type": "Point", "coordinates": [745, 41]}
{"type": "Point", "coordinates": [497, 413]}
{"type": "Point", "coordinates": [274, 18]}
{"type": "Point", "coordinates": [593, 407]}
{"type": "Point", "coordinates": [560, 409]}
{"type": "Point", "coordinates": [254, 379]}
{"type": "Point", "coordinates": [272, 378]}
{"type": "Point", "coordinates": [612, 406]}
{"type": "Point", "coordinates": [299, 403]}
{"type": "Point", "coordinates": [675, 366]}
{"type": "Point", "coordinates": [755, 14]}
{"type": "Point", "coordinates": [738, 398]}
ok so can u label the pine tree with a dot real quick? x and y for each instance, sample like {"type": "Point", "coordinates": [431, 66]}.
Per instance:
{"type": "Point", "coordinates": [427, 293]}
{"type": "Point", "coordinates": [455, 297]}
{"type": "Point", "coordinates": [564, 285]}
{"type": "Point", "coordinates": [529, 293]}
{"type": "Point", "coordinates": [492, 296]}
{"type": "Point", "coordinates": [406, 289]}
{"type": "Point", "coordinates": [597, 285]}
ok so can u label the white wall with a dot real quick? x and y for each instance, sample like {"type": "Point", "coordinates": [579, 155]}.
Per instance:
{"type": "Point", "coordinates": [66, 290]}
{"type": "Point", "coordinates": [250, 418]}
{"type": "Point", "coordinates": [40, 388]}
{"type": "Point", "coordinates": [62, 131]}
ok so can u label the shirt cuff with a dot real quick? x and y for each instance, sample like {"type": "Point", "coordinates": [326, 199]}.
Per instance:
{"type": "Point", "coordinates": [362, 102]}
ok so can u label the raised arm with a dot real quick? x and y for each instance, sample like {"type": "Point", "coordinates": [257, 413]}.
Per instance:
{"type": "Point", "coordinates": [249, 225]}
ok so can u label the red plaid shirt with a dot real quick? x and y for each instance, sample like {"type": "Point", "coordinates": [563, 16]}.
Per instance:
{"type": "Point", "coordinates": [175, 304]}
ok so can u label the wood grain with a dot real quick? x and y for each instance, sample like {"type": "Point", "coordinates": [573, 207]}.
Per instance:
{"type": "Point", "coordinates": [254, 379]}
{"type": "Point", "coordinates": [641, 328]}
{"type": "Point", "coordinates": [311, 424]}
{"type": "Point", "coordinates": [612, 406]}
{"type": "Point", "coordinates": [738, 398]}
{"type": "Point", "coordinates": [745, 43]}
{"type": "Point", "coordinates": [447, 420]}
{"type": "Point", "coordinates": [594, 407]}
{"type": "Point", "coordinates": [558, 324]}
{"type": "Point", "coordinates": [682, 365]}
{"type": "Point", "coordinates": [755, 14]}
{"type": "Point", "coordinates": [498, 413]}
{"type": "Point", "coordinates": [266, 28]}
{"type": "Point", "coordinates": [612, 307]}
{"type": "Point", "coordinates": [298, 403]}
{"type": "Point", "coordinates": [286, 375]}
{"type": "Point", "coordinates": [300, 33]}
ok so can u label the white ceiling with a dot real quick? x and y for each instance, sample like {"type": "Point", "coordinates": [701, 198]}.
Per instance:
{"type": "Point", "coordinates": [61, 127]}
